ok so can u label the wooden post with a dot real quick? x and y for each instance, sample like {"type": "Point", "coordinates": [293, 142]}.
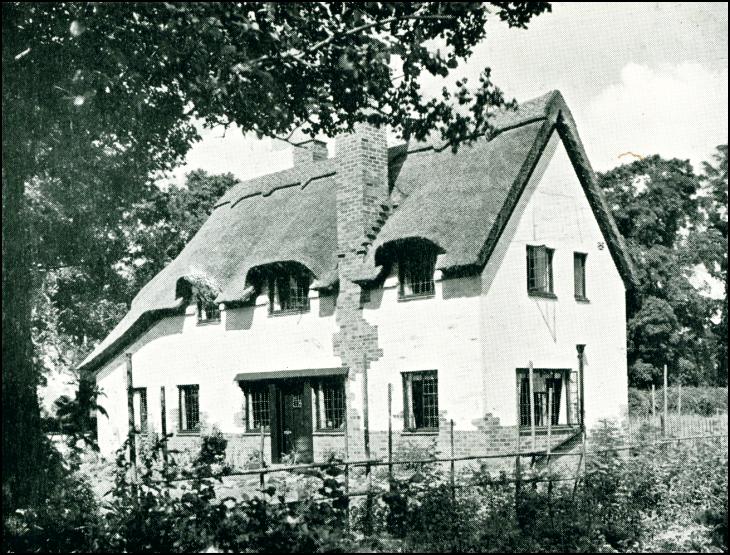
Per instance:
{"type": "Point", "coordinates": [366, 438]}
{"type": "Point", "coordinates": [263, 443]}
{"type": "Point", "coordinates": [517, 449]}
{"type": "Point", "coordinates": [131, 435]}
{"type": "Point", "coordinates": [550, 427]}
{"type": "Point", "coordinates": [532, 406]}
{"type": "Point", "coordinates": [653, 406]}
{"type": "Point", "coordinates": [549, 444]}
{"type": "Point", "coordinates": [390, 434]}
{"type": "Point", "coordinates": [347, 451]}
{"type": "Point", "coordinates": [679, 400]}
{"type": "Point", "coordinates": [453, 467]}
{"type": "Point", "coordinates": [665, 421]}
{"type": "Point", "coordinates": [163, 425]}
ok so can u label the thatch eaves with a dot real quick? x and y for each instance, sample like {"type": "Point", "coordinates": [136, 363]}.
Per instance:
{"type": "Point", "coordinates": [459, 202]}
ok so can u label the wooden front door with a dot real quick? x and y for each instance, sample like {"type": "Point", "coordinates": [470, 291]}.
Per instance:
{"type": "Point", "coordinates": [295, 421]}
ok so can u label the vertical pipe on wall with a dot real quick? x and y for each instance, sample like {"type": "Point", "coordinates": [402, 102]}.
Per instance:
{"type": "Point", "coordinates": [581, 381]}
{"type": "Point", "coordinates": [582, 406]}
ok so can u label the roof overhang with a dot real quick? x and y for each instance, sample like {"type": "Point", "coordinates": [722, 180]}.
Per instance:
{"type": "Point", "coordinates": [290, 374]}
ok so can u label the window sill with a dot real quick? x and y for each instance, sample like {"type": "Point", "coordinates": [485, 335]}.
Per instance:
{"type": "Point", "coordinates": [415, 297]}
{"type": "Point", "coordinates": [543, 430]}
{"type": "Point", "coordinates": [584, 300]}
{"type": "Point", "coordinates": [329, 433]}
{"type": "Point", "coordinates": [208, 322]}
{"type": "Point", "coordinates": [542, 294]}
{"type": "Point", "coordinates": [188, 433]}
{"type": "Point", "coordinates": [422, 432]}
{"type": "Point", "coordinates": [288, 312]}
{"type": "Point", "coordinates": [256, 433]}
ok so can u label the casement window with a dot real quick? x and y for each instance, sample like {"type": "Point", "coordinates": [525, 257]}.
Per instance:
{"type": "Point", "coordinates": [416, 267]}
{"type": "Point", "coordinates": [563, 407]}
{"type": "Point", "coordinates": [329, 396]}
{"type": "Point", "coordinates": [579, 275]}
{"type": "Point", "coordinates": [139, 399]}
{"type": "Point", "coordinates": [288, 292]}
{"type": "Point", "coordinates": [208, 311]}
{"type": "Point", "coordinates": [257, 407]}
{"type": "Point", "coordinates": [420, 400]}
{"type": "Point", "coordinates": [540, 270]}
{"type": "Point", "coordinates": [189, 408]}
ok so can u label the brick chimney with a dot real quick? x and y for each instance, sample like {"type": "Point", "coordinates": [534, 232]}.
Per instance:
{"type": "Point", "coordinates": [309, 150]}
{"type": "Point", "coordinates": [362, 187]}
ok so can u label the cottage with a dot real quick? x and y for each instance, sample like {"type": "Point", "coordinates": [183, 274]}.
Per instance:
{"type": "Point", "coordinates": [449, 287]}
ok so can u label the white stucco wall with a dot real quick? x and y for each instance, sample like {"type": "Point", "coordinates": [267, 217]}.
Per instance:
{"type": "Point", "coordinates": [439, 333]}
{"type": "Point", "coordinates": [476, 331]}
{"type": "Point", "coordinates": [177, 351]}
{"type": "Point", "coordinates": [518, 328]}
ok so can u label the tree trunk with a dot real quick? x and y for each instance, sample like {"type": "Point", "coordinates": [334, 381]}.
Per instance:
{"type": "Point", "coordinates": [23, 467]}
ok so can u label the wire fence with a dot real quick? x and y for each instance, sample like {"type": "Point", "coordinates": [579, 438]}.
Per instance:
{"type": "Point", "coordinates": [374, 477]}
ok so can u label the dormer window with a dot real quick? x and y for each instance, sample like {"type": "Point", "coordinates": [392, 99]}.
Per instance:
{"type": "Point", "coordinates": [288, 291]}
{"type": "Point", "coordinates": [416, 266]}
{"type": "Point", "coordinates": [208, 311]}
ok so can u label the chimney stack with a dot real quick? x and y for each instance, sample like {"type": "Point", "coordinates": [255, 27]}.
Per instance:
{"type": "Point", "coordinates": [362, 187]}
{"type": "Point", "coordinates": [310, 150]}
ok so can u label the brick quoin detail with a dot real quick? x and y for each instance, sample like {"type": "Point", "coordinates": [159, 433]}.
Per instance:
{"type": "Point", "coordinates": [362, 187]}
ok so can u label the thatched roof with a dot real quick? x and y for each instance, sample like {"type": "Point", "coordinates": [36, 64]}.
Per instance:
{"type": "Point", "coordinates": [459, 202]}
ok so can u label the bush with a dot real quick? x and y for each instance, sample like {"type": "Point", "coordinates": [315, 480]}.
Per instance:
{"type": "Point", "coordinates": [662, 498]}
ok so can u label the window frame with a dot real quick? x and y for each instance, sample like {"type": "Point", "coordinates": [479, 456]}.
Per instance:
{"type": "Point", "coordinates": [564, 398]}
{"type": "Point", "coordinates": [204, 306]}
{"type": "Point", "coordinates": [583, 257]}
{"type": "Point", "coordinates": [411, 261]}
{"type": "Point", "coordinates": [143, 410]}
{"type": "Point", "coordinates": [548, 289]}
{"type": "Point", "coordinates": [182, 406]}
{"type": "Point", "coordinates": [249, 390]}
{"type": "Point", "coordinates": [336, 383]}
{"type": "Point", "coordinates": [304, 282]}
{"type": "Point", "coordinates": [409, 417]}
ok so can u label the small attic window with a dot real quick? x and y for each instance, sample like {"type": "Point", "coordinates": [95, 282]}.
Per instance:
{"type": "Point", "coordinates": [288, 291]}
{"type": "Point", "coordinates": [416, 266]}
{"type": "Point", "coordinates": [208, 311]}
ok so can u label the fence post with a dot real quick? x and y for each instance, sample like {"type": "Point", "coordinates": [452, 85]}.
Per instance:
{"type": "Point", "coordinates": [131, 435]}
{"type": "Point", "coordinates": [665, 421]}
{"type": "Point", "coordinates": [549, 445]}
{"type": "Point", "coordinates": [263, 443]}
{"type": "Point", "coordinates": [653, 413]}
{"type": "Point", "coordinates": [347, 458]}
{"type": "Point", "coordinates": [453, 464]}
{"type": "Point", "coordinates": [532, 406]}
{"type": "Point", "coordinates": [550, 427]}
{"type": "Point", "coordinates": [390, 436]}
{"type": "Point", "coordinates": [163, 426]}
{"type": "Point", "coordinates": [518, 446]}
{"type": "Point", "coordinates": [679, 400]}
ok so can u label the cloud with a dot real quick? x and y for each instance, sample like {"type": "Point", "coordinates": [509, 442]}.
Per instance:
{"type": "Point", "coordinates": [673, 110]}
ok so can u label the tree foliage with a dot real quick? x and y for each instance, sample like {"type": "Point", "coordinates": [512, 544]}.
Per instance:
{"type": "Point", "coordinates": [99, 98]}
{"type": "Point", "coordinates": [667, 215]}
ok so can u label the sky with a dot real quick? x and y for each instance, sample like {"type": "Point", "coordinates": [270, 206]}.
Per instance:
{"type": "Point", "coordinates": [640, 78]}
